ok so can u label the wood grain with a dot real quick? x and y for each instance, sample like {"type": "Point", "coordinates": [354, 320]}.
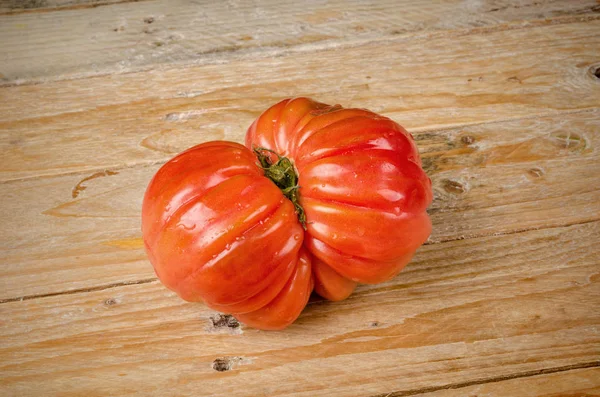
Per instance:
{"type": "Point", "coordinates": [529, 308]}
{"type": "Point", "coordinates": [125, 36]}
{"type": "Point", "coordinates": [575, 383]}
{"type": "Point", "coordinates": [81, 231]}
{"type": "Point", "coordinates": [144, 118]}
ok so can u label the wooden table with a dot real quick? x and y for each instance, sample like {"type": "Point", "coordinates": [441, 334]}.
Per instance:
{"type": "Point", "coordinates": [503, 98]}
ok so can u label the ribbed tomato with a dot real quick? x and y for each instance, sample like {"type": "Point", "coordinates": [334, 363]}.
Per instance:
{"type": "Point", "coordinates": [320, 196]}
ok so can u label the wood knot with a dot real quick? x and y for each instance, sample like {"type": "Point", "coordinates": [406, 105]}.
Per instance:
{"type": "Point", "coordinates": [536, 172]}
{"type": "Point", "coordinates": [454, 187]}
{"type": "Point", "coordinates": [110, 302]}
{"type": "Point", "coordinates": [569, 140]}
{"type": "Point", "coordinates": [375, 324]}
{"type": "Point", "coordinates": [224, 321]}
{"type": "Point", "coordinates": [148, 20]}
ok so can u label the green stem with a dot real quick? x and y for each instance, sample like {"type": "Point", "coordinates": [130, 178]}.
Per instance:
{"type": "Point", "coordinates": [282, 173]}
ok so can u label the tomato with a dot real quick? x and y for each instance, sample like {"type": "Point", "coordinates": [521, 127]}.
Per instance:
{"type": "Point", "coordinates": [320, 198]}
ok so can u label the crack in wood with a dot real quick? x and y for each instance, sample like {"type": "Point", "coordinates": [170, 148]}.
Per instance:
{"type": "Point", "coordinates": [527, 374]}
{"type": "Point", "coordinates": [79, 290]}
{"type": "Point", "coordinates": [516, 231]}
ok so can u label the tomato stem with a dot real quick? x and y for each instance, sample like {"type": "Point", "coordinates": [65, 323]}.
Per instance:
{"type": "Point", "coordinates": [282, 173]}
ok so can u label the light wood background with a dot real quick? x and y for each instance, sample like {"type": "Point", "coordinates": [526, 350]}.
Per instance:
{"type": "Point", "coordinates": [503, 98]}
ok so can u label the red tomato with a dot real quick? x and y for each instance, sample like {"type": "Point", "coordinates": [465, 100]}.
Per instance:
{"type": "Point", "coordinates": [329, 198]}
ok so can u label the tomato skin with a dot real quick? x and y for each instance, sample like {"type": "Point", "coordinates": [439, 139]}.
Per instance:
{"type": "Point", "coordinates": [217, 230]}
{"type": "Point", "coordinates": [361, 186]}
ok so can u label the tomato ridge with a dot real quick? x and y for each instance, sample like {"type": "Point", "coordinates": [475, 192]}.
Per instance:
{"type": "Point", "coordinates": [212, 261]}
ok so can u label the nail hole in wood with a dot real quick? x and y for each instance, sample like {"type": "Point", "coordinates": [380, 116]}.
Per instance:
{"type": "Point", "coordinates": [221, 364]}
{"type": "Point", "coordinates": [224, 321]}
{"type": "Point", "coordinates": [467, 139]}
{"type": "Point", "coordinates": [594, 72]}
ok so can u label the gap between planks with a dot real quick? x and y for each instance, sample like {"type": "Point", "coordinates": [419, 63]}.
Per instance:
{"type": "Point", "coordinates": [79, 290]}
{"type": "Point", "coordinates": [527, 374]}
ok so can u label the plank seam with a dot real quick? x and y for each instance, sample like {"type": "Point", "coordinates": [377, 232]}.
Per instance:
{"type": "Point", "coordinates": [516, 231]}
{"type": "Point", "coordinates": [527, 374]}
{"type": "Point", "coordinates": [79, 290]}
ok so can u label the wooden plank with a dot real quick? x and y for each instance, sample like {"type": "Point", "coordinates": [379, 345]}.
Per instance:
{"type": "Point", "coordinates": [578, 382]}
{"type": "Point", "coordinates": [464, 310]}
{"type": "Point", "coordinates": [83, 41]}
{"type": "Point", "coordinates": [116, 121]}
{"type": "Point", "coordinates": [82, 231]}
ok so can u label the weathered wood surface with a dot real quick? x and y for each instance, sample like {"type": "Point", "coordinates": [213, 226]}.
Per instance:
{"type": "Point", "coordinates": [463, 310]}
{"type": "Point", "coordinates": [83, 40]}
{"type": "Point", "coordinates": [82, 231]}
{"type": "Point", "coordinates": [502, 97]}
{"type": "Point", "coordinates": [116, 121]}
